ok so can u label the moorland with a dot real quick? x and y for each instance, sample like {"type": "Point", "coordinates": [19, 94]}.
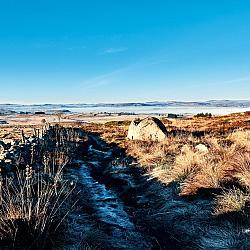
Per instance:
{"type": "Point", "coordinates": [71, 184]}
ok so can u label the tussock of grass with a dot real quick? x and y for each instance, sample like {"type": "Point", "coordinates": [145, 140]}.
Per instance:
{"type": "Point", "coordinates": [232, 200]}
{"type": "Point", "coordinates": [241, 138]}
{"type": "Point", "coordinates": [207, 178]}
{"type": "Point", "coordinates": [243, 174]}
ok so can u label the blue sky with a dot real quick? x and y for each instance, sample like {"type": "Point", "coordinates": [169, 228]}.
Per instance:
{"type": "Point", "coordinates": [79, 51]}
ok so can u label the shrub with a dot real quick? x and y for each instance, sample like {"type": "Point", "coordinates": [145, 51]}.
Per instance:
{"type": "Point", "coordinates": [209, 115]}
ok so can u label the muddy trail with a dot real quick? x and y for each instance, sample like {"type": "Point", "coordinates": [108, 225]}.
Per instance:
{"type": "Point", "coordinates": [114, 200]}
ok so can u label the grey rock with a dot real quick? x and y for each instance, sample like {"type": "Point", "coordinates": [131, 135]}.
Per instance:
{"type": "Point", "coordinates": [148, 129]}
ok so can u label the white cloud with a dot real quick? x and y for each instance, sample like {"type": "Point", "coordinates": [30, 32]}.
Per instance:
{"type": "Point", "coordinates": [112, 76]}
{"type": "Point", "coordinates": [113, 50]}
{"type": "Point", "coordinates": [98, 83]}
{"type": "Point", "coordinates": [236, 80]}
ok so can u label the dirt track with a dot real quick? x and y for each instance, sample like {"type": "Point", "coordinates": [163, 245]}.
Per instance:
{"type": "Point", "coordinates": [114, 189]}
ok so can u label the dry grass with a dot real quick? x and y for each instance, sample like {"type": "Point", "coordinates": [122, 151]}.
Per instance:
{"type": "Point", "coordinates": [243, 174]}
{"type": "Point", "coordinates": [233, 200]}
{"type": "Point", "coordinates": [150, 154]}
{"type": "Point", "coordinates": [31, 205]}
{"type": "Point", "coordinates": [222, 163]}
{"type": "Point", "coordinates": [34, 201]}
{"type": "Point", "coordinates": [241, 138]}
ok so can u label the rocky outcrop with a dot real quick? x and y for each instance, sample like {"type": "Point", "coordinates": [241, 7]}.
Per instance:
{"type": "Point", "coordinates": [148, 129]}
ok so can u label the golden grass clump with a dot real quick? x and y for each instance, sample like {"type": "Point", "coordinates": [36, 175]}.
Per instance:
{"type": "Point", "coordinates": [187, 164]}
{"type": "Point", "coordinates": [241, 138]}
{"type": "Point", "coordinates": [233, 200]}
{"type": "Point", "coordinates": [209, 177]}
{"type": "Point", "coordinates": [243, 171]}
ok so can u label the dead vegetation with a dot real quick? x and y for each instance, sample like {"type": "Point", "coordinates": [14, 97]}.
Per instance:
{"type": "Point", "coordinates": [34, 199]}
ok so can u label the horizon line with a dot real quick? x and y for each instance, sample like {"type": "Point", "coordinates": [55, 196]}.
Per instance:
{"type": "Point", "coordinates": [128, 102]}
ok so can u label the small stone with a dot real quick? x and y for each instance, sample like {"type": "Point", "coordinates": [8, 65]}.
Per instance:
{"type": "Point", "coordinates": [201, 148]}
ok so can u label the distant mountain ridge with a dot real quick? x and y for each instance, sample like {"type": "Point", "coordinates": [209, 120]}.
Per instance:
{"type": "Point", "coordinates": [210, 103]}
{"type": "Point", "coordinates": [52, 108]}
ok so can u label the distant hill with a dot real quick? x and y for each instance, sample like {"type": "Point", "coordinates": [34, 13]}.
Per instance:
{"type": "Point", "coordinates": [212, 103]}
{"type": "Point", "coordinates": [52, 108]}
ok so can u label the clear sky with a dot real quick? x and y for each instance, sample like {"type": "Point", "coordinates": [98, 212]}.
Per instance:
{"type": "Point", "coordinates": [88, 51]}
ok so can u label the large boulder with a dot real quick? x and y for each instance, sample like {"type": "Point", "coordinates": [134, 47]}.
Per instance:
{"type": "Point", "coordinates": [148, 129]}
